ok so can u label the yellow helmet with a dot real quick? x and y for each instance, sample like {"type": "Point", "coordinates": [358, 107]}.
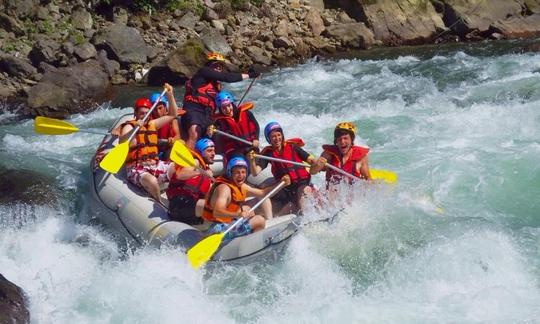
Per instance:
{"type": "Point", "coordinates": [214, 56]}
{"type": "Point", "coordinates": [347, 127]}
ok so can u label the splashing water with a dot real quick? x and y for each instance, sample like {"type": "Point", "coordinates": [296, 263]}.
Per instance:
{"type": "Point", "coordinates": [456, 240]}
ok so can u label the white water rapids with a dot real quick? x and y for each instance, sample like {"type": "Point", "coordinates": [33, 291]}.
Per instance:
{"type": "Point", "coordinates": [457, 240]}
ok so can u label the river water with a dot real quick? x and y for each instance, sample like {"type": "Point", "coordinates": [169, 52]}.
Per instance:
{"type": "Point", "coordinates": [456, 240]}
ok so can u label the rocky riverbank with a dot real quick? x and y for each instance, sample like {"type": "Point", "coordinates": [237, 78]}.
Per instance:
{"type": "Point", "coordinates": [61, 57]}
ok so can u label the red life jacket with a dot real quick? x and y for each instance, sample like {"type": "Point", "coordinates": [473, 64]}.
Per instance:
{"type": "Point", "coordinates": [357, 154]}
{"type": "Point", "coordinates": [166, 131]}
{"type": "Point", "coordinates": [195, 187]}
{"type": "Point", "coordinates": [238, 197]}
{"type": "Point", "coordinates": [279, 169]}
{"type": "Point", "coordinates": [146, 149]}
{"type": "Point", "coordinates": [203, 95]}
{"type": "Point", "coordinates": [243, 127]}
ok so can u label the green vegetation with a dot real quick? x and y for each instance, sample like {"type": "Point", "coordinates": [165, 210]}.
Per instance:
{"type": "Point", "coordinates": [193, 5]}
{"type": "Point", "coordinates": [76, 37]}
{"type": "Point", "coordinates": [9, 47]}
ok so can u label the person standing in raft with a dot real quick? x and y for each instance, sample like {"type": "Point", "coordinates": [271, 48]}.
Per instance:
{"type": "Point", "coordinates": [344, 155]}
{"type": "Point", "coordinates": [225, 202]}
{"type": "Point", "coordinates": [237, 121]}
{"type": "Point", "coordinates": [291, 198]}
{"type": "Point", "coordinates": [168, 133]}
{"type": "Point", "coordinates": [143, 167]}
{"type": "Point", "coordinates": [201, 90]}
{"type": "Point", "coordinates": [189, 185]}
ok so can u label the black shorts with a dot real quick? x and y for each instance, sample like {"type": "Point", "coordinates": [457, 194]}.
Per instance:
{"type": "Point", "coordinates": [292, 193]}
{"type": "Point", "coordinates": [182, 209]}
{"type": "Point", "coordinates": [196, 116]}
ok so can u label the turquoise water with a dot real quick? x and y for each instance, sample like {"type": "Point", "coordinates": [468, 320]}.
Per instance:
{"type": "Point", "coordinates": [456, 240]}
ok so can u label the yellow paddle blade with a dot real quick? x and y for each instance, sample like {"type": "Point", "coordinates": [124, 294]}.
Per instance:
{"type": "Point", "coordinates": [385, 175]}
{"type": "Point", "coordinates": [181, 155]}
{"type": "Point", "coordinates": [113, 161]}
{"type": "Point", "coordinates": [203, 251]}
{"type": "Point", "coordinates": [50, 126]}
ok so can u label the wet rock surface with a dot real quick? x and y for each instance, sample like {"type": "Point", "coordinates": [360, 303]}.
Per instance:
{"type": "Point", "coordinates": [12, 303]}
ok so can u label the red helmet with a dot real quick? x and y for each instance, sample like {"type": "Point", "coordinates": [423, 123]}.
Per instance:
{"type": "Point", "coordinates": [142, 102]}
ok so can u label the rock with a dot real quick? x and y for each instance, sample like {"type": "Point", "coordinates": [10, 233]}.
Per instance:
{"type": "Point", "coordinates": [46, 67]}
{"type": "Point", "coordinates": [179, 65]}
{"type": "Point", "coordinates": [301, 49]}
{"type": "Point", "coordinates": [210, 15]}
{"type": "Point", "coordinates": [218, 25]}
{"type": "Point", "coordinates": [215, 42]}
{"type": "Point", "coordinates": [282, 28]}
{"type": "Point", "coordinates": [69, 90]}
{"type": "Point", "coordinates": [11, 24]}
{"type": "Point", "coordinates": [68, 48]}
{"type": "Point", "coordinates": [44, 50]}
{"type": "Point", "coordinates": [258, 55]}
{"type": "Point", "coordinates": [466, 16]}
{"type": "Point", "coordinates": [81, 19]}
{"type": "Point", "coordinates": [12, 303]}
{"type": "Point", "coordinates": [21, 8]}
{"type": "Point", "coordinates": [122, 43]}
{"type": "Point", "coordinates": [26, 186]}
{"type": "Point", "coordinates": [85, 51]}
{"type": "Point", "coordinates": [43, 13]}
{"type": "Point", "coordinates": [282, 42]}
{"type": "Point", "coordinates": [314, 21]}
{"type": "Point", "coordinates": [188, 20]}
{"type": "Point", "coordinates": [110, 66]}
{"type": "Point", "coordinates": [396, 23]}
{"type": "Point", "coordinates": [517, 27]}
{"type": "Point", "coordinates": [355, 35]}
{"type": "Point", "coordinates": [317, 4]}
{"type": "Point", "coordinates": [16, 67]}
{"type": "Point", "coordinates": [120, 16]}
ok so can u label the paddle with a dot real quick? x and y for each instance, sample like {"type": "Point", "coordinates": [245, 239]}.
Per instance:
{"type": "Point", "coordinates": [247, 90]}
{"type": "Point", "coordinates": [114, 159]}
{"type": "Point", "coordinates": [181, 155]}
{"type": "Point", "coordinates": [201, 252]}
{"type": "Point", "coordinates": [51, 126]}
{"type": "Point", "coordinates": [385, 175]}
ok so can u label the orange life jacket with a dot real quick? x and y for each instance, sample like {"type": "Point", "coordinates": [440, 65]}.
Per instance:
{"type": "Point", "coordinates": [357, 154]}
{"type": "Point", "coordinates": [279, 169]}
{"type": "Point", "coordinates": [203, 95]}
{"type": "Point", "coordinates": [195, 187]}
{"type": "Point", "coordinates": [243, 127]}
{"type": "Point", "coordinates": [238, 196]}
{"type": "Point", "coordinates": [146, 149]}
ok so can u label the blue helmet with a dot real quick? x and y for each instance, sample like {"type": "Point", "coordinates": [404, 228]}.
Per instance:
{"type": "Point", "coordinates": [223, 97]}
{"type": "Point", "coordinates": [154, 97]}
{"type": "Point", "coordinates": [271, 126]}
{"type": "Point", "coordinates": [202, 144]}
{"type": "Point", "coordinates": [236, 162]}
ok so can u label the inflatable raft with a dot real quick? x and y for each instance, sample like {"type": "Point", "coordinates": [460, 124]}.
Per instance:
{"type": "Point", "coordinates": [134, 215]}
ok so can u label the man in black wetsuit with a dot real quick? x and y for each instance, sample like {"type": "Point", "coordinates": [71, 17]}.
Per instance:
{"type": "Point", "coordinates": [200, 94]}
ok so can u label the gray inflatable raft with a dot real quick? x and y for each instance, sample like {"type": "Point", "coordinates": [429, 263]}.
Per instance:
{"type": "Point", "coordinates": [131, 213]}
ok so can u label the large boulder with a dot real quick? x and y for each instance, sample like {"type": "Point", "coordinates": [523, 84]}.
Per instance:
{"type": "Point", "coordinates": [69, 90]}
{"type": "Point", "coordinates": [17, 67]}
{"type": "Point", "coordinates": [123, 44]}
{"type": "Point", "coordinates": [26, 186]}
{"type": "Point", "coordinates": [355, 35]}
{"type": "Point", "coordinates": [398, 22]}
{"type": "Point", "coordinates": [215, 42]}
{"type": "Point", "coordinates": [179, 65]}
{"type": "Point", "coordinates": [12, 303]}
{"type": "Point", "coordinates": [515, 27]}
{"type": "Point", "coordinates": [21, 8]}
{"type": "Point", "coordinates": [81, 19]}
{"type": "Point", "coordinates": [467, 16]}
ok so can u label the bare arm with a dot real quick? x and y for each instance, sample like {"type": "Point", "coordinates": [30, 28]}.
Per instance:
{"type": "Point", "coordinates": [363, 168]}
{"type": "Point", "coordinates": [319, 164]}
{"type": "Point", "coordinates": [173, 110]}
{"type": "Point", "coordinates": [124, 135]}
